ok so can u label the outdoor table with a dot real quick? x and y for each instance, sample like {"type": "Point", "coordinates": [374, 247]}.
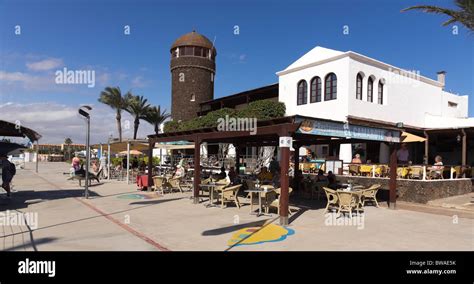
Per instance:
{"type": "Point", "coordinates": [260, 191]}
{"type": "Point", "coordinates": [211, 192]}
{"type": "Point", "coordinates": [142, 182]}
{"type": "Point", "coordinates": [365, 169]}
{"type": "Point", "coordinates": [354, 187]}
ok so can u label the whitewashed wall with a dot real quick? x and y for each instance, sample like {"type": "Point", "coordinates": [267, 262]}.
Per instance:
{"type": "Point", "coordinates": [334, 109]}
{"type": "Point", "coordinates": [407, 100]}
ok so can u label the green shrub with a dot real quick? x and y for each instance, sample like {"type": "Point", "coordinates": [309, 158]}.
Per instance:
{"type": "Point", "coordinates": [262, 109]}
{"type": "Point", "coordinates": [171, 126]}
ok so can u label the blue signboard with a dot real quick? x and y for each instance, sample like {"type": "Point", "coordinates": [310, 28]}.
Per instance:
{"type": "Point", "coordinates": [346, 130]}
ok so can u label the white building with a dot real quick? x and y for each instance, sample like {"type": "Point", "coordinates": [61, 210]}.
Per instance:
{"type": "Point", "coordinates": [337, 85]}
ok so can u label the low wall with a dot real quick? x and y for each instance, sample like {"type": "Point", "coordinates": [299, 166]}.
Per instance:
{"type": "Point", "coordinates": [418, 191]}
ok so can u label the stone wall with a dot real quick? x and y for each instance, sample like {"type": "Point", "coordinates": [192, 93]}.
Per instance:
{"type": "Point", "coordinates": [190, 77]}
{"type": "Point", "coordinates": [418, 191]}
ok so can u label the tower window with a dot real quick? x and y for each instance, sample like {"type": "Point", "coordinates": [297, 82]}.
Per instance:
{"type": "Point", "coordinates": [174, 53]}
{"type": "Point", "coordinates": [198, 51]}
{"type": "Point", "coordinates": [193, 97]}
{"type": "Point", "coordinates": [188, 50]}
{"type": "Point", "coordinates": [212, 77]}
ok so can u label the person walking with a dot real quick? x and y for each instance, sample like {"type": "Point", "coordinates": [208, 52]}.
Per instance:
{"type": "Point", "coordinates": [103, 165]}
{"type": "Point", "coordinates": [8, 171]}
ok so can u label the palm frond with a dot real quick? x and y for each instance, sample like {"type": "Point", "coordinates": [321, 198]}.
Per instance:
{"type": "Point", "coordinates": [465, 14]}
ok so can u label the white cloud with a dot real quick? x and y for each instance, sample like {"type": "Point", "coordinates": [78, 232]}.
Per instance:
{"type": "Point", "coordinates": [138, 82]}
{"type": "Point", "coordinates": [46, 64]}
{"type": "Point", "coordinates": [15, 76]}
{"type": "Point", "coordinates": [56, 121]}
{"type": "Point", "coordinates": [29, 82]}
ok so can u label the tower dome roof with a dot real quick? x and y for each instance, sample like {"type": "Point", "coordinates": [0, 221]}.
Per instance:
{"type": "Point", "coordinates": [193, 39]}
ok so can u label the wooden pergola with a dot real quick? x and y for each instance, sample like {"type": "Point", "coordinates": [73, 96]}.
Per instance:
{"type": "Point", "coordinates": [268, 133]}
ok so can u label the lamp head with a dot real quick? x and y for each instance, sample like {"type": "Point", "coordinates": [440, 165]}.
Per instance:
{"type": "Point", "coordinates": [83, 112]}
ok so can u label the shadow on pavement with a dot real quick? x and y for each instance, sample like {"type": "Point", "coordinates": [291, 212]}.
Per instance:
{"type": "Point", "coordinates": [21, 199]}
{"type": "Point", "coordinates": [93, 217]}
{"type": "Point", "coordinates": [153, 202]}
{"type": "Point", "coordinates": [225, 230]}
{"type": "Point", "coordinates": [36, 242]}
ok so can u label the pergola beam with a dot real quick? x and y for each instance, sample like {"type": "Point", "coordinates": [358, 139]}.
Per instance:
{"type": "Point", "coordinates": [464, 148]}
{"type": "Point", "coordinates": [197, 169]}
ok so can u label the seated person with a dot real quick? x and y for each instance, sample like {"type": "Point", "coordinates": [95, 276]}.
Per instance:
{"type": "Point", "coordinates": [179, 171]}
{"type": "Point", "coordinates": [356, 159]}
{"type": "Point", "coordinates": [76, 163]}
{"type": "Point", "coordinates": [95, 168]}
{"type": "Point", "coordinates": [134, 163]}
{"type": "Point", "coordinates": [265, 175]}
{"type": "Point", "coordinates": [437, 169]}
{"type": "Point", "coordinates": [321, 177]}
{"type": "Point", "coordinates": [221, 175]}
{"type": "Point", "coordinates": [142, 166]}
{"type": "Point", "coordinates": [332, 181]}
{"type": "Point", "coordinates": [232, 175]}
{"type": "Point", "coordinates": [297, 179]}
{"type": "Point", "coordinates": [81, 171]}
{"type": "Point", "coordinates": [274, 166]}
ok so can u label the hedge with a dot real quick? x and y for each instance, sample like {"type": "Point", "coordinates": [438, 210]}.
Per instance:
{"type": "Point", "coordinates": [262, 109]}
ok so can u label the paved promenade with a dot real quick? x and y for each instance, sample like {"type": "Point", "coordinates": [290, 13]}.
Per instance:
{"type": "Point", "coordinates": [119, 218]}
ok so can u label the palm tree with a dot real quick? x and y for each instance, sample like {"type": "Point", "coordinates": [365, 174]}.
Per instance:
{"type": "Point", "coordinates": [465, 14]}
{"type": "Point", "coordinates": [137, 106]}
{"type": "Point", "coordinates": [112, 96]}
{"type": "Point", "coordinates": [155, 117]}
{"type": "Point", "coordinates": [68, 142]}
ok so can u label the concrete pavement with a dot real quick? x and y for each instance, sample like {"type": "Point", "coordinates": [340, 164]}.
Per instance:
{"type": "Point", "coordinates": [118, 217]}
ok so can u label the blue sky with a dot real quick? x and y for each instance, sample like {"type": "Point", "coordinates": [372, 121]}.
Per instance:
{"type": "Point", "coordinates": [273, 34]}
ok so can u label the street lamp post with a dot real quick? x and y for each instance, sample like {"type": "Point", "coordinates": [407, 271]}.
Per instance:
{"type": "Point", "coordinates": [84, 113]}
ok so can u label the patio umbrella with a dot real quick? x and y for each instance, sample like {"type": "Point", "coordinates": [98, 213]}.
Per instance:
{"type": "Point", "coordinates": [7, 148]}
{"type": "Point", "coordinates": [410, 138]}
{"type": "Point", "coordinates": [132, 153]}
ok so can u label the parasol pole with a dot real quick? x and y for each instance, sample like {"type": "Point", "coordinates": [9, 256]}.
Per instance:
{"type": "Point", "coordinates": [128, 162]}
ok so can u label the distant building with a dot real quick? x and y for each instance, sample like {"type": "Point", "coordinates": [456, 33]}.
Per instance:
{"type": "Point", "coordinates": [57, 148]}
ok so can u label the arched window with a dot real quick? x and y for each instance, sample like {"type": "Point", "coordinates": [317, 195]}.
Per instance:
{"type": "Point", "coordinates": [380, 100]}
{"type": "Point", "coordinates": [302, 92]}
{"type": "Point", "coordinates": [330, 82]}
{"type": "Point", "coordinates": [359, 87]}
{"type": "Point", "coordinates": [315, 90]}
{"type": "Point", "coordinates": [370, 90]}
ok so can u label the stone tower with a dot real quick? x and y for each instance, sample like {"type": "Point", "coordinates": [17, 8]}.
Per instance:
{"type": "Point", "coordinates": [193, 69]}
